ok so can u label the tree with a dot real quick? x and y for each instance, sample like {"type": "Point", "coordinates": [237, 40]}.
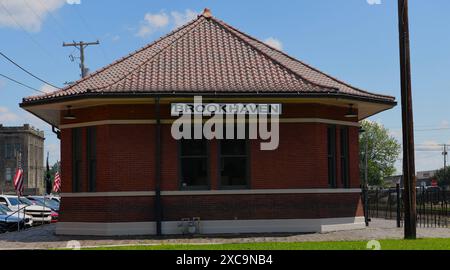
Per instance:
{"type": "Point", "coordinates": [382, 152]}
{"type": "Point", "coordinates": [443, 177]}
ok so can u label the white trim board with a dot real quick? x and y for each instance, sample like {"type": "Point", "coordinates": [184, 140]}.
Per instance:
{"type": "Point", "coordinates": [214, 226]}
{"type": "Point", "coordinates": [170, 121]}
{"type": "Point", "coordinates": [212, 192]}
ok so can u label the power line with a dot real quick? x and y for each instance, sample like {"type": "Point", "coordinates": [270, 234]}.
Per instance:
{"type": "Point", "coordinates": [26, 32]}
{"type": "Point", "coordinates": [39, 16]}
{"type": "Point", "coordinates": [57, 22]}
{"type": "Point", "coordinates": [26, 71]}
{"type": "Point", "coordinates": [22, 84]}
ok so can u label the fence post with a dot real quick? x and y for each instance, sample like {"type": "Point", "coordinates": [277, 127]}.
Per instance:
{"type": "Point", "coordinates": [398, 205]}
{"type": "Point", "coordinates": [366, 204]}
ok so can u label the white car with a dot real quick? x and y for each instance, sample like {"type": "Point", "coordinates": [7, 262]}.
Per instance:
{"type": "Point", "coordinates": [28, 220]}
{"type": "Point", "coordinates": [38, 213]}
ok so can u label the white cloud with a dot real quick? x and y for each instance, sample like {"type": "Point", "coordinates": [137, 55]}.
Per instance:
{"type": "Point", "coordinates": [6, 116]}
{"type": "Point", "coordinates": [47, 88]}
{"type": "Point", "coordinates": [73, 2]}
{"type": "Point", "coordinates": [152, 22]}
{"type": "Point", "coordinates": [28, 14]}
{"type": "Point", "coordinates": [156, 21]}
{"type": "Point", "coordinates": [374, 2]}
{"type": "Point", "coordinates": [274, 43]}
{"type": "Point", "coordinates": [429, 146]}
{"type": "Point", "coordinates": [180, 18]}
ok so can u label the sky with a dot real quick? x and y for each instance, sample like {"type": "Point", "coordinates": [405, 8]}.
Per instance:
{"type": "Point", "coordinates": [353, 40]}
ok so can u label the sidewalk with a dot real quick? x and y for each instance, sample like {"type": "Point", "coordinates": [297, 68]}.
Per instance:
{"type": "Point", "coordinates": [43, 237]}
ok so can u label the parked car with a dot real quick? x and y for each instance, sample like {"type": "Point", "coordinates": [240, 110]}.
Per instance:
{"type": "Point", "coordinates": [40, 214]}
{"type": "Point", "coordinates": [9, 223]}
{"type": "Point", "coordinates": [28, 220]}
{"type": "Point", "coordinates": [56, 198]}
{"type": "Point", "coordinates": [47, 202]}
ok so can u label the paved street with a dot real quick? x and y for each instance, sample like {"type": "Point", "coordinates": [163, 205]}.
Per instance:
{"type": "Point", "coordinates": [43, 237]}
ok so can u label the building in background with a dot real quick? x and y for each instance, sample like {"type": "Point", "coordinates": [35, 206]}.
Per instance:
{"type": "Point", "coordinates": [424, 179]}
{"type": "Point", "coordinates": [30, 143]}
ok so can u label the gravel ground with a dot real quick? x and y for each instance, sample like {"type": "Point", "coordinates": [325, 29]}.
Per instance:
{"type": "Point", "coordinates": [43, 237]}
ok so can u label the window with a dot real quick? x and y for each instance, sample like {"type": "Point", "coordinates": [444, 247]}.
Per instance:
{"type": "Point", "coordinates": [331, 141]}
{"type": "Point", "coordinates": [345, 157]}
{"type": "Point", "coordinates": [3, 201]}
{"type": "Point", "coordinates": [76, 159]}
{"type": "Point", "coordinates": [92, 157]}
{"type": "Point", "coordinates": [8, 174]}
{"type": "Point", "coordinates": [194, 171]}
{"type": "Point", "coordinates": [9, 151]}
{"type": "Point", "coordinates": [233, 163]}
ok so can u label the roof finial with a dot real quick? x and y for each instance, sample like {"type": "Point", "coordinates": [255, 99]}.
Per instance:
{"type": "Point", "coordinates": [207, 13]}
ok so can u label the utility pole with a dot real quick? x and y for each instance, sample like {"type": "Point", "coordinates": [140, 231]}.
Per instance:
{"type": "Point", "coordinates": [445, 153]}
{"type": "Point", "coordinates": [81, 46]}
{"type": "Point", "coordinates": [409, 172]}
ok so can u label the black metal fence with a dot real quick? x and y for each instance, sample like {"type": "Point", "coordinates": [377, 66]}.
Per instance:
{"type": "Point", "coordinates": [432, 206]}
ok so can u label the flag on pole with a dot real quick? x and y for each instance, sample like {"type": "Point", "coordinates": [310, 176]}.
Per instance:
{"type": "Point", "coordinates": [57, 183]}
{"type": "Point", "coordinates": [18, 178]}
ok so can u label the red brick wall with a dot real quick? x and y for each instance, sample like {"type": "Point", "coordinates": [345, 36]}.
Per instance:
{"type": "Point", "coordinates": [299, 162]}
{"type": "Point", "coordinates": [126, 162]}
{"type": "Point", "coordinates": [131, 158]}
{"type": "Point", "coordinates": [107, 209]}
{"type": "Point", "coordinates": [354, 157]}
{"type": "Point", "coordinates": [126, 155]}
{"type": "Point", "coordinates": [218, 207]}
{"type": "Point", "coordinates": [262, 206]}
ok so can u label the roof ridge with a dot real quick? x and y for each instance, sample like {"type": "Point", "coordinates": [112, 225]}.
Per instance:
{"type": "Point", "coordinates": [197, 20]}
{"type": "Point", "coordinates": [97, 72]}
{"type": "Point", "coordinates": [301, 62]}
{"type": "Point", "coordinates": [227, 26]}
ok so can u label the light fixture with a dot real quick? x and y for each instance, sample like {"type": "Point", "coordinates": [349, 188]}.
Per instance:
{"type": "Point", "coordinates": [351, 113]}
{"type": "Point", "coordinates": [69, 115]}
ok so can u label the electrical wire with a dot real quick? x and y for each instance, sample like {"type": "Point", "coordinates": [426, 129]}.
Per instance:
{"type": "Point", "coordinates": [24, 30]}
{"type": "Point", "coordinates": [22, 84]}
{"type": "Point", "coordinates": [62, 29]}
{"type": "Point", "coordinates": [40, 17]}
{"type": "Point", "coordinates": [26, 71]}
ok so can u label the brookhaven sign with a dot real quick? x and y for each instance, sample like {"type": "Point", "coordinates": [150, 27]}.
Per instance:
{"type": "Point", "coordinates": [178, 109]}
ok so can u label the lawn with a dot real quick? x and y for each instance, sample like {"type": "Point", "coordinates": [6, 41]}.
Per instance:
{"type": "Point", "coordinates": [420, 244]}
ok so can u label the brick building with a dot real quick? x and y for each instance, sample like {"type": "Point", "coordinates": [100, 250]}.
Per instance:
{"type": "Point", "coordinates": [124, 173]}
{"type": "Point", "coordinates": [30, 143]}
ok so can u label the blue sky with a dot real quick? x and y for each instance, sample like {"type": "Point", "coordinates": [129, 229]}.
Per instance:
{"type": "Point", "coordinates": [349, 39]}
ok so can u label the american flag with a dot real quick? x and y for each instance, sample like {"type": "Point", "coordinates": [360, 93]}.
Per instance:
{"type": "Point", "coordinates": [57, 183]}
{"type": "Point", "coordinates": [18, 179]}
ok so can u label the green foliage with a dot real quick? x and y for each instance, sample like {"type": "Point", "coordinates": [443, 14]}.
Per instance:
{"type": "Point", "coordinates": [397, 244]}
{"type": "Point", "coordinates": [443, 177]}
{"type": "Point", "coordinates": [382, 152]}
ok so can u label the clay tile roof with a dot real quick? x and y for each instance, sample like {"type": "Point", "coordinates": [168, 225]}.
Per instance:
{"type": "Point", "coordinates": [208, 56]}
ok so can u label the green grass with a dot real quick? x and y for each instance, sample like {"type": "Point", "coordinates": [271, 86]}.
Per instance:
{"type": "Point", "coordinates": [420, 244]}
